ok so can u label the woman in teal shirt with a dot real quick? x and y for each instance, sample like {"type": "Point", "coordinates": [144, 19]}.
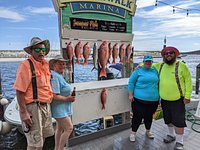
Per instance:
{"type": "Point", "coordinates": [144, 96]}
{"type": "Point", "coordinates": [61, 106]}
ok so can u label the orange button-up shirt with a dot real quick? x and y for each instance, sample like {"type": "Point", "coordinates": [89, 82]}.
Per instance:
{"type": "Point", "coordinates": [23, 80]}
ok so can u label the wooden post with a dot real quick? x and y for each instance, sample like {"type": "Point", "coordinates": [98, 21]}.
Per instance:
{"type": "Point", "coordinates": [0, 85]}
{"type": "Point", "coordinates": [197, 78]}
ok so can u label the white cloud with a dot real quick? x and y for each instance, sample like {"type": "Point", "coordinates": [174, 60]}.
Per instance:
{"type": "Point", "coordinates": [41, 10]}
{"type": "Point", "coordinates": [197, 44]}
{"type": "Point", "coordinates": [144, 3]}
{"type": "Point", "coordinates": [151, 24]}
{"type": "Point", "coordinates": [26, 28]}
{"type": "Point", "coordinates": [10, 14]}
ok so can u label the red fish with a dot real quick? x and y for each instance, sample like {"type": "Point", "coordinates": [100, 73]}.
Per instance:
{"type": "Point", "coordinates": [121, 53]}
{"type": "Point", "coordinates": [128, 52]}
{"type": "Point", "coordinates": [103, 58]}
{"type": "Point", "coordinates": [86, 53]}
{"type": "Point", "coordinates": [103, 98]}
{"type": "Point", "coordinates": [78, 51]}
{"type": "Point", "coordinates": [115, 52]}
{"type": "Point", "coordinates": [69, 52]}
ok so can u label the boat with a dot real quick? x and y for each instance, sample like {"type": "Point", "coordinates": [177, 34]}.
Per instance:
{"type": "Point", "coordinates": [88, 94]}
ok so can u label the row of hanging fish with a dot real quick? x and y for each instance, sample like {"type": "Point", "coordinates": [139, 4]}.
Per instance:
{"type": "Point", "coordinates": [101, 55]}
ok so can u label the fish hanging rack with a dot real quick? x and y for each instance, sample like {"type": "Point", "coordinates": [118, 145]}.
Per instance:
{"type": "Point", "coordinates": [92, 41]}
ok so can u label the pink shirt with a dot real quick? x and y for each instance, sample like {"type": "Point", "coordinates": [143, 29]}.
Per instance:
{"type": "Point", "coordinates": [23, 80]}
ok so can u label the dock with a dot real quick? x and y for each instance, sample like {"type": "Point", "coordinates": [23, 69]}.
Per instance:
{"type": "Point", "coordinates": [120, 140]}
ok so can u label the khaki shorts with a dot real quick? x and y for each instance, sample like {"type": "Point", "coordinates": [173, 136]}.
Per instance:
{"type": "Point", "coordinates": [42, 124]}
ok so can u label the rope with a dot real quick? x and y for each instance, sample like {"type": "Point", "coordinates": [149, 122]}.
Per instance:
{"type": "Point", "coordinates": [193, 119]}
{"type": "Point", "coordinates": [176, 7]}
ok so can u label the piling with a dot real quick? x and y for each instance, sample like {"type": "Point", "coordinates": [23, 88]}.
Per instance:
{"type": "Point", "coordinates": [197, 78]}
{"type": "Point", "coordinates": [1, 96]}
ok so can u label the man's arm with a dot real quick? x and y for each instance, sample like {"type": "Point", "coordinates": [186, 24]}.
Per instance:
{"type": "Point", "coordinates": [188, 84]}
{"type": "Point", "coordinates": [25, 116]}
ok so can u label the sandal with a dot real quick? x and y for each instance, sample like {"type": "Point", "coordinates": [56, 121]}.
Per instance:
{"type": "Point", "coordinates": [178, 146]}
{"type": "Point", "coordinates": [169, 139]}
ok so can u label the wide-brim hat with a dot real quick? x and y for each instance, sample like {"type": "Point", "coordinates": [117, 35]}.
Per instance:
{"type": "Point", "coordinates": [55, 59]}
{"type": "Point", "coordinates": [168, 49]}
{"type": "Point", "coordinates": [36, 41]}
{"type": "Point", "coordinates": [58, 57]}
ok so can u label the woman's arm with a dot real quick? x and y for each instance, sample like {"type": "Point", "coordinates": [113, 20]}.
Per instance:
{"type": "Point", "coordinates": [63, 98]}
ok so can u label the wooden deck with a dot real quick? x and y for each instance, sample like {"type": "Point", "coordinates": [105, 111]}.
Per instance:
{"type": "Point", "coordinates": [120, 140]}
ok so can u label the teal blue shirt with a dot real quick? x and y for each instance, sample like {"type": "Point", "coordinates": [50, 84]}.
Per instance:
{"type": "Point", "coordinates": [60, 109]}
{"type": "Point", "coordinates": [144, 84]}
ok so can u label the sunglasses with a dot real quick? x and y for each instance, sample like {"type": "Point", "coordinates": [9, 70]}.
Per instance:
{"type": "Point", "coordinates": [39, 49]}
{"type": "Point", "coordinates": [148, 57]}
{"type": "Point", "coordinates": [169, 53]}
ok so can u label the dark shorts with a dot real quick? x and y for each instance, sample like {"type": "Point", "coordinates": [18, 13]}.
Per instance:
{"type": "Point", "coordinates": [174, 112]}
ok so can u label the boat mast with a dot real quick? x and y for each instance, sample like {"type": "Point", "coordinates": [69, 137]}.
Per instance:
{"type": "Point", "coordinates": [165, 41]}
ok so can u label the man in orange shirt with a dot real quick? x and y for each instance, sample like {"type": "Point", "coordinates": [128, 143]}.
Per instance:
{"type": "Point", "coordinates": [34, 94]}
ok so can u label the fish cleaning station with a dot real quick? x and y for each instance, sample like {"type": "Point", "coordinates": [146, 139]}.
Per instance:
{"type": "Point", "coordinates": [105, 27]}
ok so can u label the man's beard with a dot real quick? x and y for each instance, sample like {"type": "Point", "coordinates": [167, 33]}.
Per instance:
{"type": "Point", "coordinates": [169, 62]}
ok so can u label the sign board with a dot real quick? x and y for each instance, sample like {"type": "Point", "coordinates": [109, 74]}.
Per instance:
{"type": "Point", "coordinates": [83, 20]}
{"type": "Point", "coordinates": [97, 25]}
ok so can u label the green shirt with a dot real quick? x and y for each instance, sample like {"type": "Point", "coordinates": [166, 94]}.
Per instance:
{"type": "Point", "coordinates": [168, 88]}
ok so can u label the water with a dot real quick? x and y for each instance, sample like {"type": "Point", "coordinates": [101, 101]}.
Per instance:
{"type": "Point", "coordinates": [82, 74]}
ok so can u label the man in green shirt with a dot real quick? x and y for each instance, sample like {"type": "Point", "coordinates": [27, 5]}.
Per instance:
{"type": "Point", "coordinates": [175, 89]}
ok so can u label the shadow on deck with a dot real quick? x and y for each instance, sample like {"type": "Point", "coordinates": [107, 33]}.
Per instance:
{"type": "Point", "coordinates": [120, 140]}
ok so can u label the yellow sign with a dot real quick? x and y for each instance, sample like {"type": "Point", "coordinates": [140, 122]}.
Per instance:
{"type": "Point", "coordinates": [129, 5]}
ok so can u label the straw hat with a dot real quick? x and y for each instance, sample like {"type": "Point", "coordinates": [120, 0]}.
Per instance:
{"type": "Point", "coordinates": [55, 59]}
{"type": "Point", "coordinates": [58, 57]}
{"type": "Point", "coordinates": [170, 48]}
{"type": "Point", "coordinates": [35, 41]}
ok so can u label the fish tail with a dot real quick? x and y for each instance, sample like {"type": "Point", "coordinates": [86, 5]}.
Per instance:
{"type": "Point", "coordinates": [94, 68]}
{"type": "Point", "coordinates": [70, 62]}
{"type": "Point", "coordinates": [85, 63]}
{"type": "Point", "coordinates": [127, 60]}
{"type": "Point", "coordinates": [103, 107]}
{"type": "Point", "coordinates": [77, 61]}
{"type": "Point", "coordinates": [113, 62]}
{"type": "Point", "coordinates": [102, 73]}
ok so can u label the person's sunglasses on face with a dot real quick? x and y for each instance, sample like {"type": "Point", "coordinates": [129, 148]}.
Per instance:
{"type": "Point", "coordinates": [169, 53]}
{"type": "Point", "coordinates": [39, 49]}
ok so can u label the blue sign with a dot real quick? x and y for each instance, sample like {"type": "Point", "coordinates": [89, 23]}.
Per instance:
{"type": "Point", "coordinates": [98, 8]}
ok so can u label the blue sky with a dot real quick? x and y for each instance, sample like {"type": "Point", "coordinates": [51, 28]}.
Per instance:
{"type": "Point", "coordinates": [20, 20]}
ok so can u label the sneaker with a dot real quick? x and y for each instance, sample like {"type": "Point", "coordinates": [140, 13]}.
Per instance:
{"type": "Point", "coordinates": [149, 135]}
{"type": "Point", "coordinates": [132, 137]}
{"type": "Point", "coordinates": [178, 146]}
{"type": "Point", "coordinates": [169, 139]}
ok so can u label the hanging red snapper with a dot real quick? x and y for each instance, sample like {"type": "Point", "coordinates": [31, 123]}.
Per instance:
{"type": "Point", "coordinates": [115, 52]}
{"type": "Point", "coordinates": [78, 51]}
{"type": "Point", "coordinates": [103, 58]}
{"type": "Point", "coordinates": [128, 52]}
{"type": "Point", "coordinates": [103, 98]}
{"type": "Point", "coordinates": [121, 53]}
{"type": "Point", "coordinates": [86, 53]}
{"type": "Point", "coordinates": [69, 52]}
